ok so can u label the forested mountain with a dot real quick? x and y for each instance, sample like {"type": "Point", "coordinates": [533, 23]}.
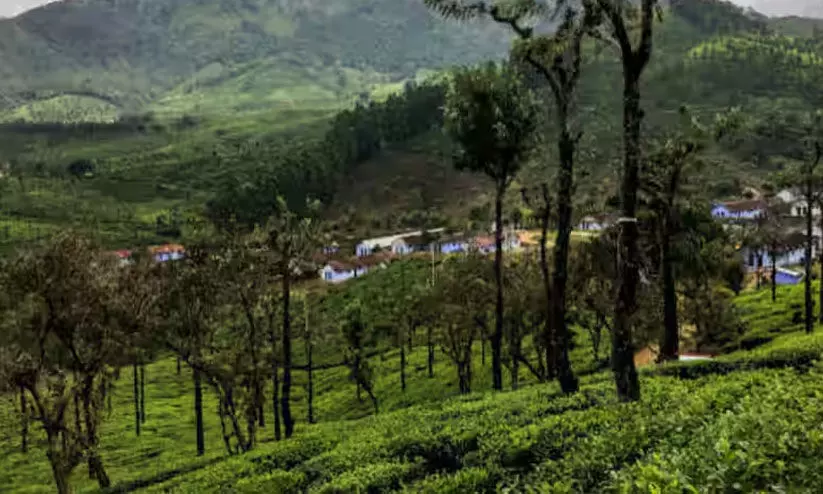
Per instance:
{"type": "Point", "coordinates": [130, 52]}
{"type": "Point", "coordinates": [220, 76]}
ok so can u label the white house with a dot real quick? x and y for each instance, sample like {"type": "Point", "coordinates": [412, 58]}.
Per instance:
{"type": "Point", "coordinates": [337, 272]}
{"type": "Point", "coordinates": [596, 222]}
{"type": "Point", "coordinates": [369, 246]}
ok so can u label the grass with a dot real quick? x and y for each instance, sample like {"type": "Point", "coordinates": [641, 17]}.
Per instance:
{"type": "Point", "coordinates": [430, 440]}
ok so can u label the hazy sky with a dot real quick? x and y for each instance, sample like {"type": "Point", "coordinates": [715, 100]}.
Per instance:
{"type": "Point", "coordinates": [9, 8]}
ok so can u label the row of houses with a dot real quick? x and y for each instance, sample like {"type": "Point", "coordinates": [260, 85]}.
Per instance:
{"type": "Point", "coordinates": [160, 253]}
{"type": "Point", "coordinates": [378, 252]}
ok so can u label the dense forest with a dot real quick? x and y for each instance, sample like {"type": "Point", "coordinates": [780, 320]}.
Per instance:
{"type": "Point", "coordinates": [540, 354]}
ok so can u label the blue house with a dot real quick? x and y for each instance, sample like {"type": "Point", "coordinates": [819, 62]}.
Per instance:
{"type": "Point", "coordinates": [739, 210]}
{"type": "Point", "coordinates": [791, 257]}
{"type": "Point", "coordinates": [787, 277]}
{"type": "Point", "coordinates": [454, 245]}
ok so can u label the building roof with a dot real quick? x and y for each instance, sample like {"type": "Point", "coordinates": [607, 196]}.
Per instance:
{"type": "Point", "coordinates": [744, 205]}
{"type": "Point", "coordinates": [601, 218]}
{"type": "Point", "coordinates": [527, 238]}
{"type": "Point", "coordinates": [788, 272]}
{"type": "Point", "coordinates": [123, 254]}
{"type": "Point", "coordinates": [373, 260]}
{"type": "Point", "coordinates": [166, 249]}
{"type": "Point", "coordinates": [484, 241]}
{"type": "Point", "coordinates": [340, 266]}
{"type": "Point", "coordinates": [386, 241]}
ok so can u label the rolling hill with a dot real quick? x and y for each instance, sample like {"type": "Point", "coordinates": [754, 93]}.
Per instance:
{"type": "Point", "coordinates": [138, 52]}
{"type": "Point", "coordinates": [177, 85]}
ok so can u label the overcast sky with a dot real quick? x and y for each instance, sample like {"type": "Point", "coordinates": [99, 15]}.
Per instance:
{"type": "Point", "coordinates": [9, 8]}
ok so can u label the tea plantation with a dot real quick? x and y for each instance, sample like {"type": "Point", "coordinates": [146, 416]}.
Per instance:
{"type": "Point", "coordinates": [751, 420]}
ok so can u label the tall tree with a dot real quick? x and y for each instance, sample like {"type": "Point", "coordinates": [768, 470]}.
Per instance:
{"type": "Point", "coordinates": [557, 58]}
{"type": "Point", "coordinates": [463, 304]}
{"type": "Point", "coordinates": [667, 171]}
{"type": "Point", "coordinates": [65, 332]}
{"type": "Point", "coordinates": [190, 305]}
{"type": "Point", "coordinates": [622, 16]}
{"type": "Point", "coordinates": [808, 175]}
{"type": "Point", "coordinates": [356, 333]}
{"type": "Point", "coordinates": [292, 234]}
{"type": "Point", "coordinates": [492, 118]}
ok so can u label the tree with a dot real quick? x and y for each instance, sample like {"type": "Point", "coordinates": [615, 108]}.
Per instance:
{"type": "Point", "coordinates": [190, 305]}
{"type": "Point", "coordinates": [667, 170]}
{"type": "Point", "coordinates": [463, 305]}
{"type": "Point", "coordinates": [557, 58]}
{"type": "Point", "coordinates": [291, 238]}
{"type": "Point", "coordinates": [621, 16]}
{"type": "Point", "coordinates": [356, 332]}
{"type": "Point", "coordinates": [492, 119]}
{"type": "Point", "coordinates": [809, 176]}
{"type": "Point", "coordinates": [65, 332]}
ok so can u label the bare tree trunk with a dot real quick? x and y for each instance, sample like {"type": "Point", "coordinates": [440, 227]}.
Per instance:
{"type": "Point", "coordinates": [136, 378]}
{"type": "Point", "coordinates": [61, 477]}
{"type": "Point", "coordinates": [275, 398]}
{"type": "Point", "coordinates": [430, 345]}
{"type": "Point", "coordinates": [310, 369]}
{"type": "Point", "coordinates": [497, 336]}
{"type": "Point", "coordinates": [515, 376]}
{"type": "Point", "coordinates": [464, 377]}
{"type": "Point", "coordinates": [820, 258]}
{"type": "Point", "coordinates": [625, 373]}
{"type": "Point", "coordinates": [773, 254]}
{"type": "Point", "coordinates": [759, 270]}
{"type": "Point", "coordinates": [178, 366]}
{"type": "Point", "coordinates": [670, 349]}
{"type": "Point", "coordinates": [142, 394]}
{"type": "Point", "coordinates": [198, 413]}
{"type": "Point", "coordinates": [809, 319]}
{"type": "Point", "coordinates": [24, 422]}
{"type": "Point", "coordinates": [548, 337]}
{"type": "Point", "coordinates": [561, 339]}
{"type": "Point", "coordinates": [402, 367]}
{"type": "Point", "coordinates": [96, 468]}
{"type": "Point", "coordinates": [285, 399]}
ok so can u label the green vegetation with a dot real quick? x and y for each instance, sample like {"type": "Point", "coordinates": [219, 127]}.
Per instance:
{"type": "Point", "coordinates": [534, 437]}
{"type": "Point", "coordinates": [251, 130]}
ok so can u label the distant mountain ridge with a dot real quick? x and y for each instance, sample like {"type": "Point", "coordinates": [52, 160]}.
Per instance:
{"type": "Point", "coordinates": [139, 55]}
{"type": "Point", "coordinates": [132, 51]}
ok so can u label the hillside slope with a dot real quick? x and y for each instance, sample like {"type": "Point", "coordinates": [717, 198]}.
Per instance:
{"type": "Point", "coordinates": [132, 52]}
